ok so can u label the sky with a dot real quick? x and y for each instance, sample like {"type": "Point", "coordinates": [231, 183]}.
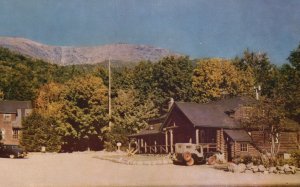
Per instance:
{"type": "Point", "coordinates": [198, 28]}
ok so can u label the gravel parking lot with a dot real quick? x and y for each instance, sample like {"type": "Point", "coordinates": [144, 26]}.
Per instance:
{"type": "Point", "coordinates": [84, 169]}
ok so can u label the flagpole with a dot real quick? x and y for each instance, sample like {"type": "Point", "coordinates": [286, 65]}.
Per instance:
{"type": "Point", "coordinates": [109, 94]}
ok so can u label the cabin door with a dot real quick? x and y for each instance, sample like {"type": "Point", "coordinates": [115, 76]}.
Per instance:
{"type": "Point", "coordinates": [229, 150]}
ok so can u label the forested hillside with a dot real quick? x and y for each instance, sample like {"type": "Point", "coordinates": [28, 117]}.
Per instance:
{"type": "Point", "coordinates": [73, 100]}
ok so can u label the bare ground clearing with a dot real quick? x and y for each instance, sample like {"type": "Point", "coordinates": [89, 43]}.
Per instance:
{"type": "Point", "coordinates": [84, 169]}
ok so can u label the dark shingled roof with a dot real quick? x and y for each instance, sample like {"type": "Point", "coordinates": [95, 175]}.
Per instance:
{"type": "Point", "coordinates": [206, 115]}
{"type": "Point", "coordinates": [238, 135]}
{"type": "Point", "coordinates": [10, 107]}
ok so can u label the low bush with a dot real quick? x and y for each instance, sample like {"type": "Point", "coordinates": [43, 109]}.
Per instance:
{"type": "Point", "coordinates": [281, 161]}
{"type": "Point", "coordinates": [256, 160]}
{"type": "Point", "coordinates": [296, 157]}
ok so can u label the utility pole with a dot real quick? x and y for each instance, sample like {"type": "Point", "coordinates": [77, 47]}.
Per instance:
{"type": "Point", "coordinates": [109, 94]}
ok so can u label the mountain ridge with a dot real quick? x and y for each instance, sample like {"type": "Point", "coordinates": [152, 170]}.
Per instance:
{"type": "Point", "coordinates": [74, 55]}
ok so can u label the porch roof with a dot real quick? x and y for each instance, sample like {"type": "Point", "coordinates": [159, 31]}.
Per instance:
{"type": "Point", "coordinates": [148, 130]}
{"type": "Point", "coordinates": [238, 135]}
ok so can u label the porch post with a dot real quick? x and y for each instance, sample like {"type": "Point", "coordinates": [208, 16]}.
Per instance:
{"type": "Point", "coordinates": [145, 147]}
{"type": "Point", "coordinates": [139, 146]}
{"type": "Point", "coordinates": [171, 137]}
{"type": "Point", "coordinates": [129, 145]}
{"type": "Point", "coordinates": [222, 141]}
{"type": "Point", "coordinates": [155, 148]}
{"type": "Point", "coordinates": [166, 141]}
{"type": "Point", "coordinates": [197, 136]}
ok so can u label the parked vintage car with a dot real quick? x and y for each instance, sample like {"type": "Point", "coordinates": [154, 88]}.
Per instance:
{"type": "Point", "coordinates": [12, 151]}
{"type": "Point", "coordinates": [189, 154]}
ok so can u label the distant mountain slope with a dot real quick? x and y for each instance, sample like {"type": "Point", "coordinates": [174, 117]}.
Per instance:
{"type": "Point", "coordinates": [84, 55]}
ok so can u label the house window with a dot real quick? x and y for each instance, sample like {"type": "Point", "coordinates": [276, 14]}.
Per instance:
{"type": "Point", "coordinates": [7, 117]}
{"type": "Point", "coordinates": [15, 133]}
{"type": "Point", "coordinates": [244, 147]}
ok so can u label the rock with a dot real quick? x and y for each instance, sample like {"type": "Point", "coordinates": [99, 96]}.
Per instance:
{"type": "Point", "coordinates": [261, 168]}
{"type": "Point", "coordinates": [240, 168]}
{"type": "Point", "coordinates": [281, 172]}
{"type": "Point", "coordinates": [231, 167]}
{"type": "Point", "coordinates": [293, 169]}
{"type": "Point", "coordinates": [249, 166]}
{"type": "Point", "coordinates": [288, 170]}
{"type": "Point", "coordinates": [266, 172]}
{"type": "Point", "coordinates": [254, 169]}
{"type": "Point", "coordinates": [272, 170]}
{"type": "Point", "coordinates": [279, 168]}
{"type": "Point", "coordinates": [248, 171]}
{"type": "Point", "coordinates": [285, 166]}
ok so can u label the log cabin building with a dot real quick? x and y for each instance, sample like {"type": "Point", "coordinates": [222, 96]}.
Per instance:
{"type": "Point", "coordinates": [213, 125]}
{"type": "Point", "coordinates": [11, 114]}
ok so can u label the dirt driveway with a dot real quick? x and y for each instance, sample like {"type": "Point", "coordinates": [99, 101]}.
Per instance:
{"type": "Point", "coordinates": [82, 169]}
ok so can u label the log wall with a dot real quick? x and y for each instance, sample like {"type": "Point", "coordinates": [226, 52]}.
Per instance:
{"type": "Point", "coordinates": [288, 141]}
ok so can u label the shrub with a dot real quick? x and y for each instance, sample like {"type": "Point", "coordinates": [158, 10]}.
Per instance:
{"type": "Point", "coordinates": [117, 134]}
{"type": "Point", "coordinates": [256, 160]}
{"type": "Point", "coordinates": [247, 159]}
{"type": "Point", "coordinates": [281, 161]}
{"type": "Point", "coordinates": [237, 160]}
{"type": "Point", "coordinates": [296, 157]}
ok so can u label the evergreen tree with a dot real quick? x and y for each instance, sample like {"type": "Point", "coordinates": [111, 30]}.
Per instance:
{"type": "Point", "coordinates": [290, 89]}
{"type": "Point", "coordinates": [129, 115]}
{"type": "Point", "coordinates": [172, 77]}
{"type": "Point", "coordinates": [39, 131]}
{"type": "Point", "coordinates": [264, 72]}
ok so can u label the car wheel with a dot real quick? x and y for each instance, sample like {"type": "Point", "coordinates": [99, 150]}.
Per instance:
{"type": "Point", "coordinates": [187, 156]}
{"type": "Point", "coordinates": [11, 156]}
{"type": "Point", "coordinates": [190, 162]}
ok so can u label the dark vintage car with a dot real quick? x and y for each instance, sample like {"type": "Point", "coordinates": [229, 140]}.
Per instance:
{"type": "Point", "coordinates": [12, 151]}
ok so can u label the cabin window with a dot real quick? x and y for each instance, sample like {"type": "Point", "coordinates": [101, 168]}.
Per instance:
{"type": "Point", "coordinates": [244, 147]}
{"type": "Point", "coordinates": [15, 133]}
{"type": "Point", "coordinates": [7, 117]}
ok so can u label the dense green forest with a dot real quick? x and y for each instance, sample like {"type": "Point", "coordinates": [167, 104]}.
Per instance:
{"type": "Point", "coordinates": [73, 100]}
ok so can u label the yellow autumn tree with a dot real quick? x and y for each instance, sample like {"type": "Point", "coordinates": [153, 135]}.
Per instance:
{"type": "Point", "coordinates": [214, 77]}
{"type": "Point", "coordinates": [48, 100]}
